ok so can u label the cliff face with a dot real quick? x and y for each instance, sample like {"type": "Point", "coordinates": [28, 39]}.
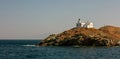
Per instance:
{"type": "Point", "coordinates": [105, 36]}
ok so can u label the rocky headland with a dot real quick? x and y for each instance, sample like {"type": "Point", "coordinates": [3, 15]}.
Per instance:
{"type": "Point", "coordinates": [104, 36]}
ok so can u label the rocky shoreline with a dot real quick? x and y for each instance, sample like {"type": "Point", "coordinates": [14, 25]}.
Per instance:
{"type": "Point", "coordinates": [104, 36]}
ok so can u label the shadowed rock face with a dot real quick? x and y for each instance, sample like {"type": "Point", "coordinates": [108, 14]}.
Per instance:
{"type": "Point", "coordinates": [105, 36]}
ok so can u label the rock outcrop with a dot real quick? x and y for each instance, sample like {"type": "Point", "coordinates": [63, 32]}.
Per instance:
{"type": "Point", "coordinates": [104, 36]}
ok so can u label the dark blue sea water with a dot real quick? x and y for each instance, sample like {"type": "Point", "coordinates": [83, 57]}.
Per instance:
{"type": "Point", "coordinates": [25, 49]}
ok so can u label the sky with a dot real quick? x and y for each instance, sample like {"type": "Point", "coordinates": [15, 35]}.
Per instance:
{"type": "Point", "coordinates": [36, 19]}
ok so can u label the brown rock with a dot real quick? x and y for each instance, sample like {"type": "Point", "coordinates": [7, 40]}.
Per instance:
{"type": "Point", "coordinates": [105, 36]}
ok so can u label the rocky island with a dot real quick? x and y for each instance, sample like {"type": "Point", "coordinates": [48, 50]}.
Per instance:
{"type": "Point", "coordinates": [85, 36]}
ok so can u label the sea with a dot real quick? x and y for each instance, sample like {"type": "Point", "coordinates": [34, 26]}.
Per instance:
{"type": "Point", "coordinates": [26, 49]}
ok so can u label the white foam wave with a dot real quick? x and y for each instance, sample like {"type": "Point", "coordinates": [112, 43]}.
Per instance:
{"type": "Point", "coordinates": [28, 45]}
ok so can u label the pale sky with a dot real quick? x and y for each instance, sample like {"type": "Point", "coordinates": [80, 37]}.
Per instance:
{"type": "Point", "coordinates": [36, 19]}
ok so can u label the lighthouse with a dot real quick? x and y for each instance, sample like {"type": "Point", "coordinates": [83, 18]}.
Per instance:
{"type": "Point", "coordinates": [84, 25]}
{"type": "Point", "coordinates": [78, 23]}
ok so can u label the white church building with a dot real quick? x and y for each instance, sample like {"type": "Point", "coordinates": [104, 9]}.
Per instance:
{"type": "Point", "coordinates": [84, 25]}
